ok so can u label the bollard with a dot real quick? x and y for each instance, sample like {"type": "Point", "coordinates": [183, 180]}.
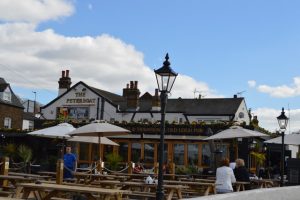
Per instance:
{"type": "Point", "coordinates": [4, 170]}
{"type": "Point", "coordinates": [156, 165]}
{"type": "Point", "coordinates": [59, 171]}
{"type": "Point", "coordinates": [131, 166]}
{"type": "Point", "coordinates": [172, 170]}
{"type": "Point", "coordinates": [100, 166]}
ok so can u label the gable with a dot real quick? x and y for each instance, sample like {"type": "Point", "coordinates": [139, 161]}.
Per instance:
{"type": "Point", "coordinates": [79, 94]}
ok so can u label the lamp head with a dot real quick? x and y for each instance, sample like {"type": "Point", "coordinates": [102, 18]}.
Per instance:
{"type": "Point", "coordinates": [282, 120]}
{"type": "Point", "coordinates": [165, 76]}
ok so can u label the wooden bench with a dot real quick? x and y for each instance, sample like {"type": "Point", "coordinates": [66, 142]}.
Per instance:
{"type": "Point", "coordinates": [6, 193]}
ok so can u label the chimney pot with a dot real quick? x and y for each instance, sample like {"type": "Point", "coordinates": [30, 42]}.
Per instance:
{"type": "Point", "coordinates": [67, 73]}
{"type": "Point", "coordinates": [63, 73]}
{"type": "Point", "coordinates": [235, 96]}
{"type": "Point", "coordinates": [127, 86]}
{"type": "Point", "coordinates": [131, 84]}
{"type": "Point", "coordinates": [135, 84]}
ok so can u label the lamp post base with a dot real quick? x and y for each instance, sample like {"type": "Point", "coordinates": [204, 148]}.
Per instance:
{"type": "Point", "coordinates": [160, 195]}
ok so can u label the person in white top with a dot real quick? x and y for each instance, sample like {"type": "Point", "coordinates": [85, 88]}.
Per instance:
{"type": "Point", "coordinates": [224, 177]}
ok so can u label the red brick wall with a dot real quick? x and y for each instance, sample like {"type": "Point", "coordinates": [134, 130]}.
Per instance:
{"type": "Point", "coordinates": [16, 115]}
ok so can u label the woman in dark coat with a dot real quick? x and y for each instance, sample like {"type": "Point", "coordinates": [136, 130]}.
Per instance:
{"type": "Point", "coordinates": [240, 171]}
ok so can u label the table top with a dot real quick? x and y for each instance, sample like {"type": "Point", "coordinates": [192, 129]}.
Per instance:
{"type": "Point", "coordinates": [129, 183]}
{"type": "Point", "coordinates": [73, 188]}
{"type": "Point", "coordinates": [189, 183]}
{"type": "Point", "coordinates": [12, 177]}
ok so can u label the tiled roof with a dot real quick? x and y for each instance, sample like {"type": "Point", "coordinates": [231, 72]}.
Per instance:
{"type": "Point", "coordinates": [14, 99]}
{"type": "Point", "coordinates": [209, 106]}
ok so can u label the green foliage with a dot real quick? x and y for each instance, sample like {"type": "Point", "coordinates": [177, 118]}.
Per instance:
{"type": "Point", "coordinates": [192, 169]}
{"type": "Point", "coordinates": [10, 150]}
{"type": "Point", "coordinates": [113, 160]}
{"type": "Point", "coordinates": [25, 153]}
{"type": "Point", "coordinates": [259, 157]}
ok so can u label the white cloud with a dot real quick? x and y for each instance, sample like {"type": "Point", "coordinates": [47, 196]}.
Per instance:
{"type": "Point", "coordinates": [34, 11]}
{"type": "Point", "coordinates": [252, 83]}
{"type": "Point", "coordinates": [103, 61]}
{"type": "Point", "coordinates": [267, 118]}
{"type": "Point", "coordinates": [283, 91]}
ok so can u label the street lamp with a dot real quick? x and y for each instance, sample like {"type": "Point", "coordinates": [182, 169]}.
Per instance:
{"type": "Point", "coordinates": [165, 78]}
{"type": "Point", "coordinates": [282, 121]}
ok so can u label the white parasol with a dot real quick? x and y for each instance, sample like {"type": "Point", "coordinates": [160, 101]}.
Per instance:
{"type": "Point", "coordinates": [236, 132]}
{"type": "Point", "coordinates": [95, 140]}
{"type": "Point", "coordinates": [58, 131]}
{"type": "Point", "coordinates": [99, 129]}
{"type": "Point", "coordinates": [291, 139]}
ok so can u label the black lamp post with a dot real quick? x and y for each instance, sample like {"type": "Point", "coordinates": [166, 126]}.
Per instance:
{"type": "Point", "coordinates": [282, 121]}
{"type": "Point", "coordinates": [165, 78]}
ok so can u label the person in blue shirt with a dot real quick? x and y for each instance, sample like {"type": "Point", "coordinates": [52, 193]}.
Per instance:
{"type": "Point", "coordinates": [69, 163]}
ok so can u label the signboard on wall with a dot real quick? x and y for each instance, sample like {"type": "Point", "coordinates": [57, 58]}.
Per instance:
{"type": "Point", "coordinates": [80, 113]}
{"type": "Point", "coordinates": [80, 98]}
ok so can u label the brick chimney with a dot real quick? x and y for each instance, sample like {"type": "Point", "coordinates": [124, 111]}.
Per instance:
{"type": "Point", "coordinates": [156, 101]}
{"type": "Point", "coordinates": [131, 93]}
{"type": "Point", "coordinates": [64, 82]}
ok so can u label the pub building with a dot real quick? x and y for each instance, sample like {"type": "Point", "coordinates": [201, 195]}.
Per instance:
{"type": "Point", "coordinates": [187, 122]}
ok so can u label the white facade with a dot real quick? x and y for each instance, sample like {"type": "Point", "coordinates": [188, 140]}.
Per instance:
{"type": "Point", "coordinates": [82, 103]}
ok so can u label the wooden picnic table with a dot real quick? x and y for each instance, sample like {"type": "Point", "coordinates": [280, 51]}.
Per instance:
{"type": "Point", "coordinates": [44, 173]}
{"type": "Point", "coordinates": [209, 188]}
{"type": "Point", "coordinates": [40, 191]}
{"type": "Point", "coordinates": [29, 175]}
{"type": "Point", "coordinates": [170, 189]}
{"type": "Point", "coordinates": [88, 178]}
{"type": "Point", "coordinates": [262, 183]}
{"type": "Point", "coordinates": [14, 180]}
{"type": "Point", "coordinates": [240, 185]}
{"type": "Point", "coordinates": [113, 184]}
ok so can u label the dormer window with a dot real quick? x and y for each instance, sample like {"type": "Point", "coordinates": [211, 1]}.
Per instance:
{"type": "Point", "coordinates": [7, 95]}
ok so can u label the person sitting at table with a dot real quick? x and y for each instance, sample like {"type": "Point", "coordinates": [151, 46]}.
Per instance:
{"type": "Point", "coordinates": [224, 177]}
{"type": "Point", "coordinates": [167, 167]}
{"type": "Point", "coordinates": [240, 172]}
{"type": "Point", "coordinates": [138, 167]}
{"type": "Point", "coordinates": [70, 163]}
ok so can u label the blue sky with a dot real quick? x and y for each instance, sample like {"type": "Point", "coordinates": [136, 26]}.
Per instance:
{"type": "Point", "coordinates": [219, 48]}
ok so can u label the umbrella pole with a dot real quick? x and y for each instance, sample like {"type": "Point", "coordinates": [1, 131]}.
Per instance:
{"type": "Point", "coordinates": [100, 160]}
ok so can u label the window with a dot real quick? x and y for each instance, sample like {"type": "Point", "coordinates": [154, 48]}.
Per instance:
{"type": "Point", "coordinates": [241, 115]}
{"type": "Point", "coordinates": [30, 125]}
{"type": "Point", "coordinates": [123, 151]}
{"type": "Point", "coordinates": [165, 153]}
{"type": "Point", "coordinates": [136, 152]}
{"type": "Point", "coordinates": [7, 122]}
{"type": "Point", "coordinates": [83, 151]}
{"type": "Point", "coordinates": [193, 154]}
{"type": "Point", "coordinates": [178, 155]}
{"type": "Point", "coordinates": [206, 154]}
{"type": "Point", "coordinates": [6, 96]}
{"type": "Point", "coordinates": [149, 152]}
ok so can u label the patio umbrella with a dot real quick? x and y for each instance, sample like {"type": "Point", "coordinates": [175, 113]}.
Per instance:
{"type": "Point", "coordinates": [95, 140]}
{"type": "Point", "coordinates": [235, 132]}
{"type": "Point", "coordinates": [291, 139]}
{"type": "Point", "coordinates": [58, 131]}
{"type": "Point", "coordinates": [99, 129]}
